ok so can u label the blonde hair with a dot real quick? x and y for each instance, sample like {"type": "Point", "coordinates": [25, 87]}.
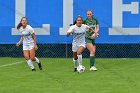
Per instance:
{"type": "Point", "coordinates": [90, 11]}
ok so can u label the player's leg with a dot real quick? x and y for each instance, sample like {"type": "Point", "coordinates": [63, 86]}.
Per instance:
{"type": "Point", "coordinates": [92, 49]}
{"type": "Point", "coordinates": [75, 58]}
{"type": "Point", "coordinates": [79, 54]}
{"type": "Point", "coordinates": [33, 58]}
{"type": "Point", "coordinates": [29, 61]}
{"type": "Point", "coordinates": [75, 61]}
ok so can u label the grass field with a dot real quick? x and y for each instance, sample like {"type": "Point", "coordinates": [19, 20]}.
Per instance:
{"type": "Point", "coordinates": [57, 76]}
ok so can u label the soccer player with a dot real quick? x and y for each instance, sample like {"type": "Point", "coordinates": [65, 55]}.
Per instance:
{"type": "Point", "coordinates": [78, 45]}
{"type": "Point", "coordinates": [29, 43]}
{"type": "Point", "coordinates": [90, 40]}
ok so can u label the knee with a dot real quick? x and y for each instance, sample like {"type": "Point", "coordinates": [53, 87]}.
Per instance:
{"type": "Point", "coordinates": [26, 57]}
{"type": "Point", "coordinates": [92, 53]}
{"type": "Point", "coordinates": [79, 53]}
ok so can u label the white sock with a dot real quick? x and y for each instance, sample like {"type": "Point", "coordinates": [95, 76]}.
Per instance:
{"type": "Point", "coordinates": [30, 64]}
{"type": "Point", "coordinates": [79, 59]}
{"type": "Point", "coordinates": [75, 63]}
{"type": "Point", "coordinates": [37, 60]}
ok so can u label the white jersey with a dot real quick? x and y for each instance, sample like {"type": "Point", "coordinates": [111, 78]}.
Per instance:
{"type": "Point", "coordinates": [27, 35]}
{"type": "Point", "coordinates": [78, 34]}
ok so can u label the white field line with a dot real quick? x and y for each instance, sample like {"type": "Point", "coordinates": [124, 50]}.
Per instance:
{"type": "Point", "coordinates": [11, 64]}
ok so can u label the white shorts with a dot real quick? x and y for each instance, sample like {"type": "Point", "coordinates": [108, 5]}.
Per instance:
{"type": "Point", "coordinates": [28, 47]}
{"type": "Point", "coordinates": [75, 47]}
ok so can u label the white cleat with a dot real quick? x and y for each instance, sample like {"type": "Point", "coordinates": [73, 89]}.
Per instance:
{"type": "Point", "coordinates": [93, 68]}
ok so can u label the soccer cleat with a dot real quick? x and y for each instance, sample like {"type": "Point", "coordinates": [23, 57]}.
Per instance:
{"type": "Point", "coordinates": [93, 68]}
{"type": "Point", "coordinates": [34, 69]}
{"type": "Point", "coordinates": [75, 69]}
{"type": "Point", "coordinates": [40, 66]}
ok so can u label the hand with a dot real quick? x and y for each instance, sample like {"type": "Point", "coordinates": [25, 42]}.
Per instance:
{"type": "Point", "coordinates": [91, 30]}
{"type": "Point", "coordinates": [72, 31]}
{"type": "Point", "coordinates": [18, 44]}
{"type": "Point", "coordinates": [96, 34]}
{"type": "Point", "coordinates": [93, 36]}
{"type": "Point", "coordinates": [36, 47]}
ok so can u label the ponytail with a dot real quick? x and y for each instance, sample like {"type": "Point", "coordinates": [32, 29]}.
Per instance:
{"type": "Point", "coordinates": [19, 25]}
{"type": "Point", "coordinates": [73, 23]}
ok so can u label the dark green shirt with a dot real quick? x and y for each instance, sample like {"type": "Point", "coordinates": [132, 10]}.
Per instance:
{"type": "Point", "coordinates": [91, 23]}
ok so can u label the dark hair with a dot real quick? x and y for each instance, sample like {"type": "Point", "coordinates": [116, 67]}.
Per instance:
{"type": "Point", "coordinates": [76, 20]}
{"type": "Point", "coordinates": [20, 24]}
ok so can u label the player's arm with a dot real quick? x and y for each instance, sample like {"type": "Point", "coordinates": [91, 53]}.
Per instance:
{"type": "Point", "coordinates": [94, 31]}
{"type": "Point", "coordinates": [34, 38]}
{"type": "Point", "coordinates": [20, 41]}
{"type": "Point", "coordinates": [88, 29]}
{"type": "Point", "coordinates": [97, 26]}
{"type": "Point", "coordinates": [97, 30]}
{"type": "Point", "coordinates": [70, 31]}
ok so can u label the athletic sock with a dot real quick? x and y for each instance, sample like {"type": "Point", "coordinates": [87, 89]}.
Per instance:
{"type": "Point", "coordinates": [75, 63]}
{"type": "Point", "coordinates": [30, 64]}
{"type": "Point", "coordinates": [79, 59]}
{"type": "Point", "coordinates": [37, 60]}
{"type": "Point", "coordinates": [92, 60]}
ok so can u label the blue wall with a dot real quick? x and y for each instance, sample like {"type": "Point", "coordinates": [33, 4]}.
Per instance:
{"type": "Point", "coordinates": [50, 12]}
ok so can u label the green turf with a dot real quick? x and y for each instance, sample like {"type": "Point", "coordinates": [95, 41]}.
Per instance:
{"type": "Point", "coordinates": [113, 76]}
